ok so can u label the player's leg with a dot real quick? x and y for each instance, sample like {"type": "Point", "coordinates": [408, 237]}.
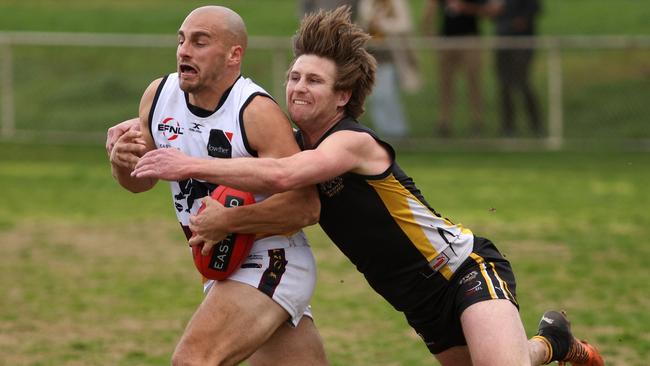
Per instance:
{"type": "Point", "coordinates": [297, 346]}
{"type": "Point", "coordinates": [239, 315]}
{"type": "Point", "coordinates": [233, 320]}
{"type": "Point", "coordinates": [486, 302]}
{"type": "Point", "coordinates": [455, 356]}
{"type": "Point", "coordinates": [495, 334]}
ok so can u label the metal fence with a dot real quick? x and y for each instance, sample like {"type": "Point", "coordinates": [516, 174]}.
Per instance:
{"type": "Point", "coordinates": [276, 57]}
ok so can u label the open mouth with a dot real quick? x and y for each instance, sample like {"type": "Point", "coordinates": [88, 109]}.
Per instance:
{"type": "Point", "coordinates": [187, 69]}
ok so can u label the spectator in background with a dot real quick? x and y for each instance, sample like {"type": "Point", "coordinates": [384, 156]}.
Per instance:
{"type": "Point", "coordinates": [311, 6]}
{"type": "Point", "coordinates": [516, 18]}
{"type": "Point", "coordinates": [456, 22]}
{"type": "Point", "coordinates": [388, 21]}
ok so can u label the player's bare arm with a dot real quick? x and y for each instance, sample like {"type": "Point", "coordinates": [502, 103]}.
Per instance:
{"type": "Point", "coordinates": [270, 134]}
{"type": "Point", "coordinates": [341, 152]}
{"type": "Point", "coordinates": [132, 144]}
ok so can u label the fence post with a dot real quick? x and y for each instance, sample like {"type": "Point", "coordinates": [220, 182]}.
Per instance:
{"type": "Point", "coordinates": [8, 128]}
{"type": "Point", "coordinates": [555, 138]}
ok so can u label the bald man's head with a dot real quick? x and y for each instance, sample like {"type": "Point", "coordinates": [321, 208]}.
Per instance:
{"type": "Point", "coordinates": [223, 21]}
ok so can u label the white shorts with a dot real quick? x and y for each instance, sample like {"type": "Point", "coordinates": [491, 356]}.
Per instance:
{"type": "Point", "coordinates": [283, 268]}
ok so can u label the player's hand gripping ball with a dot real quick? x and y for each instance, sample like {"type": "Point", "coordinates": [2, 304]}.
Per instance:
{"type": "Point", "coordinates": [225, 256]}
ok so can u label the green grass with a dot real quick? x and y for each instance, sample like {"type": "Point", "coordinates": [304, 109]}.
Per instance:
{"type": "Point", "coordinates": [279, 17]}
{"type": "Point", "coordinates": [94, 275]}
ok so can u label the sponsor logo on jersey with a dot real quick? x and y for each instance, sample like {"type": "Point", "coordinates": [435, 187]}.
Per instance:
{"type": "Point", "coordinates": [438, 262]}
{"type": "Point", "coordinates": [332, 187]}
{"type": "Point", "coordinates": [196, 127]}
{"type": "Point", "coordinates": [170, 128]}
{"type": "Point", "coordinates": [219, 145]}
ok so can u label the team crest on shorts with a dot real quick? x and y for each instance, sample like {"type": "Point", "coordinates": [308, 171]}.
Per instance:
{"type": "Point", "coordinates": [468, 277]}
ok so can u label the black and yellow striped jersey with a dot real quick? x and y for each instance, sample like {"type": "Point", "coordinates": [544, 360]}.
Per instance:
{"type": "Point", "coordinates": [383, 224]}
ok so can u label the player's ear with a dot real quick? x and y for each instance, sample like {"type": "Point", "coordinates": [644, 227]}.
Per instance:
{"type": "Point", "coordinates": [236, 55]}
{"type": "Point", "coordinates": [343, 97]}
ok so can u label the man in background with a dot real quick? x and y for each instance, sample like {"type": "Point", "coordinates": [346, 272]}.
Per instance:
{"type": "Point", "coordinates": [515, 18]}
{"type": "Point", "coordinates": [453, 20]}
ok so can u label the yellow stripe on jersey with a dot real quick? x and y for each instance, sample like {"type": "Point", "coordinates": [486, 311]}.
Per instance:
{"type": "Point", "coordinates": [416, 220]}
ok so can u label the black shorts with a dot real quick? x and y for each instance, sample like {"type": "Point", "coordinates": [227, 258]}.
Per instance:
{"type": "Point", "coordinates": [485, 275]}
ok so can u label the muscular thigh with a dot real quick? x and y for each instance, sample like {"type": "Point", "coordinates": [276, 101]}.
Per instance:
{"type": "Point", "coordinates": [505, 343]}
{"type": "Point", "coordinates": [294, 346]}
{"type": "Point", "coordinates": [233, 320]}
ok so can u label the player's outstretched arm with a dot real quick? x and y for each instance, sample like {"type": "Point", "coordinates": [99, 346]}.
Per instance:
{"type": "Point", "coordinates": [341, 152]}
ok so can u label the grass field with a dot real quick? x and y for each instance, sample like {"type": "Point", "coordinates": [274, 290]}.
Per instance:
{"type": "Point", "coordinates": [93, 275]}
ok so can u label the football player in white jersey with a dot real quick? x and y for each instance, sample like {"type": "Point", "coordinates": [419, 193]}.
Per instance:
{"type": "Point", "coordinates": [249, 316]}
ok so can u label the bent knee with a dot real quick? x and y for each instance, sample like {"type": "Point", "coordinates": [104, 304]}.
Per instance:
{"type": "Point", "coordinates": [215, 355]}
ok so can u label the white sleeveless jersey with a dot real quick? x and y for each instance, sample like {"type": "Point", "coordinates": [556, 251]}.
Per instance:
{"type": "Point", "coordinates": [177, 124]}
{"type": "Point", "coordinates": [281, 266]}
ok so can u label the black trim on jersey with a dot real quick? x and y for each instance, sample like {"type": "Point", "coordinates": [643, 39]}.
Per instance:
{"type": "Point", "coordinates": [350, 124]}
{"type": "Point", "coordinates": [204, 113]}
{"type": "Point", "coordinates": [241, 121]}
{"type": "Point", "coordinates": [273, 274]}
{"type": "Point", "coordinates": [153, 105]}
{"type": "Point", "coordinates": [186, 230]}
{"type": "Point", "coordinates": [386, 146]}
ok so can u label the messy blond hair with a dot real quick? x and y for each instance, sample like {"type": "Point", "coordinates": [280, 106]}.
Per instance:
{"type": "Point", "coordinates": [332, 35]}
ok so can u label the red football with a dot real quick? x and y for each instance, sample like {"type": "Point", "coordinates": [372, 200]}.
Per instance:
{"type": "Point", "coordinates": [225, 256]}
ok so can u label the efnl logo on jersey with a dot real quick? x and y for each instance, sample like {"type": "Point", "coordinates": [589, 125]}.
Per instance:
{"type": "Point", "coordinates": [170, 128]}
